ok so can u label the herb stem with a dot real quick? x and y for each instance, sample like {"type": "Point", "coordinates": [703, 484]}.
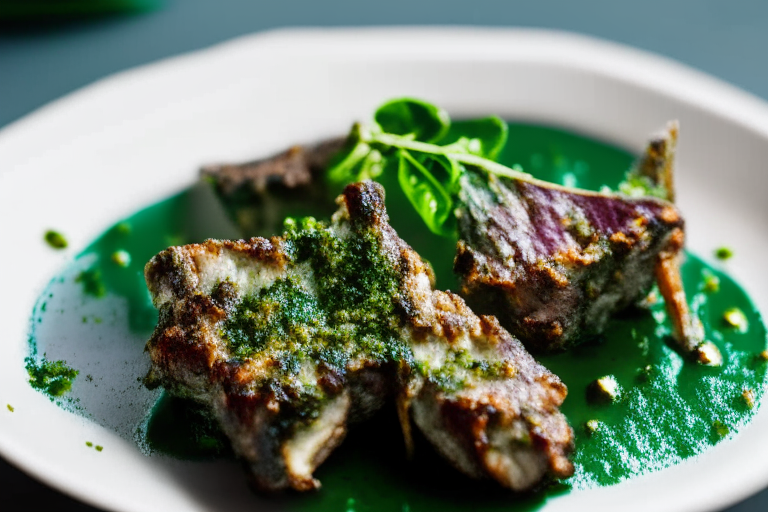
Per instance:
{"type": "Point", "coordinates": [490, 166]}
{"type": "Point", "coordinates": [399, 142]}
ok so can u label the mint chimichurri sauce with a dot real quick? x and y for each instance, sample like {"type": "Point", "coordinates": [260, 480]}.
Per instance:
{"type": "Point", "coordinates": [668, 409]}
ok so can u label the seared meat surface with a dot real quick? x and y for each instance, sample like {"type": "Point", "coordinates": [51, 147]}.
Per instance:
{"type": "Point", "coordinates": [554, 263]}
{"type": "Point", "coordinates": [289, 339]}
{"type": "Point", "coordinates": [258, 195]}
{"type": "Point", "coordinates": [482, 400]}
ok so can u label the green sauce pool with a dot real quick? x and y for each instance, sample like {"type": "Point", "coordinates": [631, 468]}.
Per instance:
{"type": "Point", "coordinates": [668, 409]}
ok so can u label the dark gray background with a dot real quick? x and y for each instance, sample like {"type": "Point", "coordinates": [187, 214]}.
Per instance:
{"type": "Point", "coordinates": [41, 63]}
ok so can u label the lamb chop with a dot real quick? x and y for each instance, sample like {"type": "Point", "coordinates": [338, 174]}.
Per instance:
{"type": "Point", "coordinates": [259, 194]}
{"type": "Point", "coordinates": [554, 263]}
{"type": "Point", "coordinates": [482, 401]}
{"type": "Point", "coordinates": [288, 340]}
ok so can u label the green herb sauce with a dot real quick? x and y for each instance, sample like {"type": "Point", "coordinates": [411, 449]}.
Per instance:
{"type": "Point", "coordinates": [92, 282]}
{"type": "Point", "coordinates": [181, 429]}
{"type": "Point", "coordinates": [724, 253]}
{"type": "Point", "coordinates": [343, 309]}
{"type": "Point", "coordinates": [55, 239]}
{"type": "Point", "coordinates": [54, 378]}
{"type": "Point", "coordinates": [668, 409]}
{"type": "Point", "coordinates": [459, 365]}
{"type": "Point", "coordinates": [350, 310]}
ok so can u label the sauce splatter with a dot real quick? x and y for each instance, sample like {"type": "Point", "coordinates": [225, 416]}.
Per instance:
{"type": "Point", "coordinates": [54, 378]}
{"type": "Point", "coordinates": [55, 239]}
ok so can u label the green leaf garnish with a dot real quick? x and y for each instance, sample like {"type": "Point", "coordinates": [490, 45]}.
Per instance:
{"type": "Point", "coordinates": [484, 137]}
{"type": "Point", "coordinates": [417, 140]}
{"type": "Point", "coordinates": [430, 198]}
{"type": "Point", "coordinates": [414, 119]}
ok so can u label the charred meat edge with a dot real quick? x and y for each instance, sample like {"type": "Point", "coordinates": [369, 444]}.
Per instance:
{"type": "Point", "coordinates": [300, 166]}
{"type": "Point", "coordinates": [555, 262]}
{"type": "Point", "coordinates": [507, 429]}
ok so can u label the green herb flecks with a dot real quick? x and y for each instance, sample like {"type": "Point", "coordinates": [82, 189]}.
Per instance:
{"type": "Point", "coordinates": [10, 407]}
{"type": "Point", "coordinates": [459, 367]}
{"type": "Point", "coordinates": [710, 283]}
{"type": "Point", "coordinates": [121, 258]}
{"type": "Point", "coordinates": [265, 319]}
{"type": "Point", "coordinates": [724, 253]}
{"type": "Point", "coordinates": [748, 398]}
{"type": "Point", "coordinates": [720, 429]}
{"type": "Point", "coordinates": [734, 317]}
{"type": "Point", "coordinates": [604, 390]}
{"type": "Point", "coordinates": [343, 310]}
{"type": "Point", "coordinates": [641, 186]}
{"type": "Point", "coordinates": [53, 378]}
{"type": "Point", "coordinates": [591, 426]}
{"type": "Point", "coordinates": [55, 239]}
{"type": "Point", "coordinates": [122, 228]}
{"type": "Point", "coordinates": [347, 311]}
{"type": "Point", "coordinates": [92, 282]}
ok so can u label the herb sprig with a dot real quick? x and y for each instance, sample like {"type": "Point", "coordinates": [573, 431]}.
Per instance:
{"type": "Point", "coordinates": [416, 140]}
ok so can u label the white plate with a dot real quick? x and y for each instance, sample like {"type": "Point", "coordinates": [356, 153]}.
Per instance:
{"type": "Point", "coordinates": [97, 155]}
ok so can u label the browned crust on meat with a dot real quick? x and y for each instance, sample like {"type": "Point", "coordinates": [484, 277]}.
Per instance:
{"type": "Point", "coordinates": [189, 358]}
{"type": "Point", "coordinates": [295, 167]}
{"type": "Point", "coordinates": [543, 260]}
{"type": "Point", "coordinates": [174, 268]}
{"type": "Point", "coordinates": [657, 163]}
{"type": "Point", "coordinates": [529, 394]}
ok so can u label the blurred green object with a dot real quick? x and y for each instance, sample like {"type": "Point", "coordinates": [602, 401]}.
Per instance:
{"type": "Point", "coordinates": [33, 10]}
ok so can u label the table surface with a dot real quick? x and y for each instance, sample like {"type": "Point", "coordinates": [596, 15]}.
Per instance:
{"type": "Point", "coordinates": [41, 63]}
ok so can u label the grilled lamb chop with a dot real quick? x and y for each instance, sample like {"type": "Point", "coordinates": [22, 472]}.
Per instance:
{"type": "Point", "coordinates": [552, 272]}
{"type": "Point", "coordinates": [554, 263]}
{"type": "Point", "coordinates": [481, 399]}
{"type": "Point", "coordinates": [258, 195]}
{"type": "Point", "coordinates": [287, 340]}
